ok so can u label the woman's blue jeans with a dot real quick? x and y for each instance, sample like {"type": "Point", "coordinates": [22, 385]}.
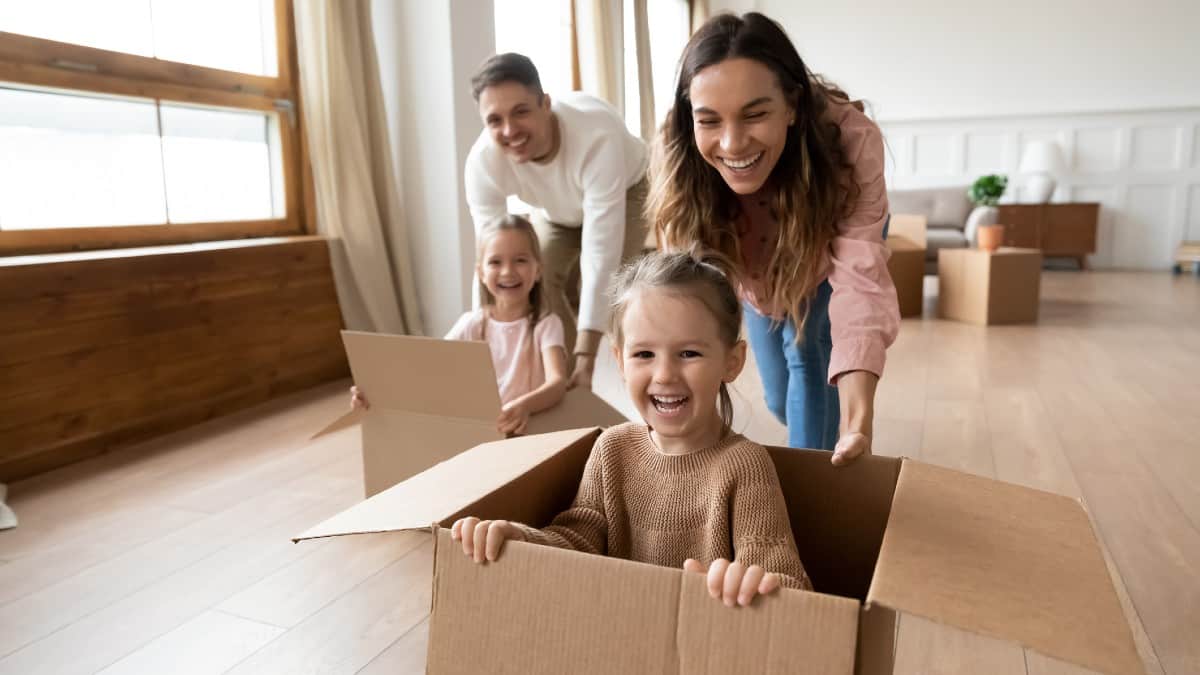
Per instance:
{"type": "Point", "coordinates": [795, 377]}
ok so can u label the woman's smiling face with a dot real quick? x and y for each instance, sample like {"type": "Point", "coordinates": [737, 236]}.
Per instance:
{"type": "Point", "coordinates": [740, 121]}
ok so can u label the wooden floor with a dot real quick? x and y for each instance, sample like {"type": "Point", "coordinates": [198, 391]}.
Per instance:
{"type": "Point", "coordinates": [173, 556]}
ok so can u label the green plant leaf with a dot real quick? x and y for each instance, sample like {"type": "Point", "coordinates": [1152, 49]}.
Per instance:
{"type": "Point", "coordinates": [987, 190]}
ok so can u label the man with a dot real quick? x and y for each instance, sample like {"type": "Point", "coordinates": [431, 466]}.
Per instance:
{"type": "Point", "coordinates": [573, 161]}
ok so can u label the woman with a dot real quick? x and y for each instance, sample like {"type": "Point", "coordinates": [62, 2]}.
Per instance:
{"type": "Point", "coordinates": [779, 172]}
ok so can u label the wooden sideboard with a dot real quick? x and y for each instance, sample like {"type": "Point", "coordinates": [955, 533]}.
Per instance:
{"type": "Point", "coordinates": [1059, 230]}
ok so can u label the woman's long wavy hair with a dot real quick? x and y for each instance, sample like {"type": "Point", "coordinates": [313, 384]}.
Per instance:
{"type": "Point", "coordinates": [689, 203]}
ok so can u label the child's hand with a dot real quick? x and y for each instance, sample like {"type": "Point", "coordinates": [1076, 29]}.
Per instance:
{"type": "Point", "coordinates": [358, 399]}
{"type": "Point", "coordinates": [482, 539]}
{"type": "Point", "coordinates": [514, 417]}
{"type": "Point", "coordinates": [733, 582]}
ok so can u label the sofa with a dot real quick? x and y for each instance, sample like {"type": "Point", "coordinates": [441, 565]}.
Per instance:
{"type": "Point", "coordinates": [950, 218]}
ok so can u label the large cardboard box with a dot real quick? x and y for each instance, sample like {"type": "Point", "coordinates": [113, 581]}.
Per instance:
{"type": "Point", "coordinates": [984, 287]}
{"type": "Point", "coordinates": [881, 538]}
{"type": "Point", "coordinates": [907, 268]}
{"type": "Point", "coordinates": [431, 399]}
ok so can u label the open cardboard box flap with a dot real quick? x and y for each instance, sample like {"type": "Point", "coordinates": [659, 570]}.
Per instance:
{"type": "Point", "coordinates": [452, 379]}
{"type": "Point", "coordinates": [1004, 561]}
{"type": "Point", "coordinates": [431, 399]}
{"type": "Point", "coordinates": [441, 492]}
{"type": "Point", "coordinates": [388, 366]}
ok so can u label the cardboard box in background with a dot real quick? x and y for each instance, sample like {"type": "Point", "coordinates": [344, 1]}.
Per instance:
{"type": "Point", "coordinates": [982, 288]}
{"type": "Point", "coordinates": [431, 399]}
{"type": "Point", "coordinates": [907, 268]}
{"type": "Point", "coordinates": [910, 227]}
{"type": "Point", "coordinates": [881, 538]}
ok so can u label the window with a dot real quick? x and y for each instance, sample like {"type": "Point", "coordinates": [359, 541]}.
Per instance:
{"type": "Point", "coordinates": [136, 122]}
{"type": "Point", "coordinates": [669, 33]}
{"type": "Point", "coordinates": [541, 30]}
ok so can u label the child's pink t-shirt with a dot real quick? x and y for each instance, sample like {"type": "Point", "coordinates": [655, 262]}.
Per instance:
{"type": "Point", "coordinates": [519, 368]}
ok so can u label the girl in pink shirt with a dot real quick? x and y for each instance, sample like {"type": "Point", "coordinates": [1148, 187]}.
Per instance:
{"type": "Point", "coordinates": [765, 163]}
{"type": "Point", "coordinates": [525, 340]}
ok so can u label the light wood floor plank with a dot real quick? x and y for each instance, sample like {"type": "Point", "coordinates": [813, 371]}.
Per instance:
{"type": "Point", "coordinates": [1154, 545]}
{"type": "Point", "coordinates": [347, 634]}
{"type": "Point", "coordinates": [58, 507]}
{"type": "Point", "coordinates": [116, 630]}
{"type": "Point", "coordinates": [956, 436]}
{"type": "Point", "coordinates": [299, 590]}
{"type": "Point", "coordinates": [36, 615]}
{"type": "Point", "coordinates": [405, 656]}
{"type": "Point", "coordinates": [147, 520]}
{"type": "Point", "coordinates": [1037, 664]}
{"type": "Point", "coordinates": [111, 536]}
{"type": "Point", "coordinates": [209, 644]}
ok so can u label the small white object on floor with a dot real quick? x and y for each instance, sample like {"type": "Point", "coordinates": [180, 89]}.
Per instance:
{"type": "Point", "coordinates": [8, 519]}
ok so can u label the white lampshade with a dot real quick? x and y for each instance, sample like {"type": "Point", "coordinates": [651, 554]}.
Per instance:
{"type": "Point", "coordinates": [1042, 157]}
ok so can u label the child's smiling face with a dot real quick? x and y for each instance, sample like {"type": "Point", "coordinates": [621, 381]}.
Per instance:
{"type": "Point", "coordinates": [509, 267]}
{"type": "Point", "coordinates": [674, 361]}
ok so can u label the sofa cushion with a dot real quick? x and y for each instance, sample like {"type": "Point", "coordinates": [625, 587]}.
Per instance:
{"type": "Point", "coordinates": [942, 207]}
{"type": "Point", "coordinates": [943, 237]}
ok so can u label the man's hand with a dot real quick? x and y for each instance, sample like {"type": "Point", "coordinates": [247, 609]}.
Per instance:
{"type": "Point", "coordinates": [585, 365]}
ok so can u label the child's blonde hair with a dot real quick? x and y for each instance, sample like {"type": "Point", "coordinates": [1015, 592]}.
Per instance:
{"type": "Point", "coordinates": [537, 294]}
{"type": "Point", "coordinates": [689, 274]}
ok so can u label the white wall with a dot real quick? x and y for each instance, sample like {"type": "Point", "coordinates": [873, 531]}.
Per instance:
{"type": "Point", "coordinates": [427, 53]}
{"type": "Point", "coordinates": [925, 59]}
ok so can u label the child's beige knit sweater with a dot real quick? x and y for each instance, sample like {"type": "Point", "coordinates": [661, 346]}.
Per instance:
{"type": "Point", "coordinates": [637, 503]}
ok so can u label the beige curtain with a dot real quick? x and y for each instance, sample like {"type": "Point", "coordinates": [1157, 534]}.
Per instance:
{"type": "Point", "coordinates": [699, 13]}
{"type": "Point", "coordinates": [599, 60]}
{"type": "Point", "coordinates": [645, 75]}
{"type": "Point", "coordinates": [602, 65]}
{"type": "Point", "coordinates": [357, 194]}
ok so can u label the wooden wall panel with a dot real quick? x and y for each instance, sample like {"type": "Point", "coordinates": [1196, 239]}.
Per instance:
{"type": "Point", "coordinates": [97, 352]}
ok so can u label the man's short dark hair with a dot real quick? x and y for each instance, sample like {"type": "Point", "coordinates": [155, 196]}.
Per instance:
{"type": "Point", "coordinates": [510, 67]}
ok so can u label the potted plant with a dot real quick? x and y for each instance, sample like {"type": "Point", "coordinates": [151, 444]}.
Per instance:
{"type": "Point", "coordinates": [985, 193]}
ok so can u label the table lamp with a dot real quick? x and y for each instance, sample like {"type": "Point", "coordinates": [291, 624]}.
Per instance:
{"type": "Point", "coordinates": [1041, 162]}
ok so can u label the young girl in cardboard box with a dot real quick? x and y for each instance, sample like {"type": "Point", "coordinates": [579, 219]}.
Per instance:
{"type": "Point", "coordinates": [525, 340]}
{"type": "Point", "coordinates": [683, 488]}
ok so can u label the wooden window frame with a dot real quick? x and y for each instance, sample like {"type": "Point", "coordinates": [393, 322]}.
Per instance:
{"type": "Point", "coordinates": [26, 60]}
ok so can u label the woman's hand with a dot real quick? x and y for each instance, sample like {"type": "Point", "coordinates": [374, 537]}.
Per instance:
{"type": "Point", "coordinates": [850, 446]}
{"type": "Point", "coordinates": [358, 400]}
{"type": "Point", "coordinates": [482, 539]}
{"type": "Point", "coordinates": [514, 417]}
{"type": "Point", "coordinates": [734, 583]}
{"type": "Point", "coordinates": [856, 397]}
